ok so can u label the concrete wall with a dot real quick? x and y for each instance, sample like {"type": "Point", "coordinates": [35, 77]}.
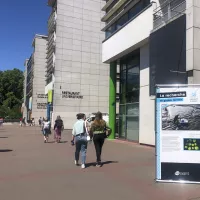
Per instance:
{"type": "Point", "coordinates": [39, 77]}
{"type": "Point", "coordinates": [147, 103]}
{"type": "Point", "coordinates": [78, 65]}
{"type": "Point", "coordinates": [126, 39]}
{"type": "Point", "coordinates": [193, 40]}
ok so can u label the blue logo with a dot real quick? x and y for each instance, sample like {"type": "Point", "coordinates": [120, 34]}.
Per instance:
{"type": "Point", "coordinates": [194, 94]}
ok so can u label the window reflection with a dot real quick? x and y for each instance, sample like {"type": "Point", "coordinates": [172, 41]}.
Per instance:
{"type": "Point", "coordinates": [136, 9]}
{"type": "Point", "coordinates": [129, 97]}
{"type": "Point", "coordinates": [130, 80]}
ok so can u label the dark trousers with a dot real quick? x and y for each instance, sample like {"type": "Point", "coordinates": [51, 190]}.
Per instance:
{"type": "Point", "coordinates": [98, 140]}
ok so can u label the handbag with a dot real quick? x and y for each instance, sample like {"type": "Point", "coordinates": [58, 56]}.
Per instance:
{"type": "Point", "coordinates": [107, 132]}
{"type": "Point", "coordinates": [86, 131]}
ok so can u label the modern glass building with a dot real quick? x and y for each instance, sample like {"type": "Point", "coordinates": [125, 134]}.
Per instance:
{"type": "Point", "coordinates": [147, 43]}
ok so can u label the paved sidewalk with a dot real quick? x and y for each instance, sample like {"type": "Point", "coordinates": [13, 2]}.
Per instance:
{"type": "Point", "coordinates": [30, 170]}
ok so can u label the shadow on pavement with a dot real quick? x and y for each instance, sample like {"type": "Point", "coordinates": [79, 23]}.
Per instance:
{"type": "Point", "coordinates": [3, 137]}
{"type": "Point", "coordinates": [61, 142]}
{"type": "Point", "coordinates": [93, 164]}
{"type": "Point", "coordinates": [5, 150]}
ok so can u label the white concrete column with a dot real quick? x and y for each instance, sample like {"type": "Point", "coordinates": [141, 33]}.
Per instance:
{"type": "Point", "coordinates": [193, 41]}
{"type": "Point", "coordinates": [147, 103]}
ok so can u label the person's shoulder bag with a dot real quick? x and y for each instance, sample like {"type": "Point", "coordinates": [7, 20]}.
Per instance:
{"type": "Point", "coordinates": [107, 131]}
{"type": "Point", "coordinates": [86, 131]}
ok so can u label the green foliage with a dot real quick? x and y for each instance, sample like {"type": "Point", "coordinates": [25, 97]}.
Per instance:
{"type": "Point", "coordinates": [11, 93]}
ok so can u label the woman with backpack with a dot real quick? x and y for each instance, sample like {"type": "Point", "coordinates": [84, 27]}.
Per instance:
{"type": "Point", "coordinates": [58, 129]}
{"type": "Point", "coordinates": [99, 130]}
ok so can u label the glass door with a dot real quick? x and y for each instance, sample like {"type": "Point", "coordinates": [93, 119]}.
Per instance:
{"type": "Point", "coordinates": [129, 97]}
{"type": "Point", "coordinates": [129, 122]}
{"type": "Point", "coordinates": [132, 120]}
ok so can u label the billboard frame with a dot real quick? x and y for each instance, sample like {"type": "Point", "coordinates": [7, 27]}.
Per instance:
{"type": "Point", "coordinates": [157, 150]}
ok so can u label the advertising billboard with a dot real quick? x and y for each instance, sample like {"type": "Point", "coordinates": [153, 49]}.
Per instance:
{"type": "Point", "coordinates": [178, 134]}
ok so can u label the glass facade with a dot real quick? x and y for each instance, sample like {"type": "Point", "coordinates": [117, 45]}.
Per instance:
{"type": "Point", "coordinates": [129, 97]}
{"type": "Point", "coordinates": [136, 9]}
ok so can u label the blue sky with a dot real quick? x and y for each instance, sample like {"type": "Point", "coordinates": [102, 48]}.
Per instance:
{"type": "Point", "coordinates": [20, 21]}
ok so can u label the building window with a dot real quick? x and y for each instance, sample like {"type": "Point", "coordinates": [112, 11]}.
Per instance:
{"type": "Point", "coordinates": [111, 5]}
{"type": "Point", "coordinates": [136, 9]}
{"type": "Point", "coordinates": [129, 97]}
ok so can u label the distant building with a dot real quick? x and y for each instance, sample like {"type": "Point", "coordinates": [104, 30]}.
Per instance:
{"type": "Point", "coordinates": [35, 99]}
{"type": "Point", "coordinates": [77, 80]}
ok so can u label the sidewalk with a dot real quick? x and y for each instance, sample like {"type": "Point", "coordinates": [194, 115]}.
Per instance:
{"type": "Point", "coordinates": [31, 170]}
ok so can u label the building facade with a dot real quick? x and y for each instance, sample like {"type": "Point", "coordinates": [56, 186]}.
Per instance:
{"type": "Point", "coordinates": [151, 42]}
{"type": "Point", "coordinates": [24, 104]}
{"type": "Point", "coordinates": [77, 80]}
{"type": "Point", "coordinates": [35, 99]}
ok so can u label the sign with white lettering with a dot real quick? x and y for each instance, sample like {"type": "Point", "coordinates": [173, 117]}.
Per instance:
{"type": "Point", "coordinates": [41, 105]}
{"type": "Point", "coordinates": [42, 96]}
{"type": "Point", "coordinates": [71, 95]}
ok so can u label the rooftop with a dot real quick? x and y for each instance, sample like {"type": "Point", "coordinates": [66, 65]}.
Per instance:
{"type": "Point", "coordinates": [39, 36]}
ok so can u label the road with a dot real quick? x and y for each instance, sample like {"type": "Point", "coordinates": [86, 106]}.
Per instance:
{"type": "Point", "coordinates": [30, 170]}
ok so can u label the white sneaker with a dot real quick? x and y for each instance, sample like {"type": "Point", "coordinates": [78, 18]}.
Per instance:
{"type": "Point", "coordinates": [76, 162]}
{"type": "Point", "coordinates": [83, 166]}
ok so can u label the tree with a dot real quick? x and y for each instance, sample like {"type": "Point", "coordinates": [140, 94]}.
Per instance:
{"type": "Point", "coordinates": [11, 92]}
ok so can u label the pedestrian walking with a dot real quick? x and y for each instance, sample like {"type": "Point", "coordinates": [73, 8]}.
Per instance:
{"type": "Point", "coordinates": [33, 122]}
{"type": "Point", "coordinates": [58, 127]}
{"type": "Point", "coordinates": [40, 121]}
{"type": "Point", "coordinates": [79, 138]}
{"type": "Point", "coordinates": [99, 131]}
{"type": "Point", "coordinates": [20, 121]}
{"type": "Point", "coordinates": [46, 129]}
{"type": "Point", "coordinates": [24, 121]}
{"type": "Point", "coordinates": [1, 121]}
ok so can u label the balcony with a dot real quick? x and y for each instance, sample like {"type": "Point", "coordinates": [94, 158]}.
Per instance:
{"type": "Point", "coordinates": [50, 64]}
{"type": "Point", "coordinates": [167, 12]}
{"type": "Point", "coordinates": [51, 59]}
{"type": "Point", "coordinates": [108, 4]}
{"type": "Point", "coordinates": [51, 39]}
{"type": "Point", "coordinates": [128, 37]}
{"type": "Point", "coordinates": [52, 22]}
{"type": "Point", "coordinates": [48, 81]}
{"type": "Point", "coordinates": [50, 52]}
{"type": "Point", "coordinates": [130, 10]}
{"type": "Point", "coordinates": [114, 10]}
{"type": "Point", "coordinates": [51, 44]}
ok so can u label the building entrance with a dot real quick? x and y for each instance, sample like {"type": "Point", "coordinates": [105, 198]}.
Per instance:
{"type": "Point", "coordinates": [129, 97]}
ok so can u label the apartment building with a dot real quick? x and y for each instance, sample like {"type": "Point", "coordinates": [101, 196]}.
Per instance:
{"type": "Point", "coordinates": [147, 43]}
{"type": "Point", "coordinates": [35, 99]}
{"type": "Point", "coordinates": [77, 80]}
{"type": "Point", "coordinates": [24, 105]}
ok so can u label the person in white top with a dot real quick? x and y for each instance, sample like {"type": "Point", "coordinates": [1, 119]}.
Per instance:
{"type": "Point", "coordinates": [46, 129]}
{"type": "Point", "coordinates": [80, 136]}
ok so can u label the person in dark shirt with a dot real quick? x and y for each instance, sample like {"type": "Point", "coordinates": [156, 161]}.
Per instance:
{"type": "Point", "coordinates": [58, 127]}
